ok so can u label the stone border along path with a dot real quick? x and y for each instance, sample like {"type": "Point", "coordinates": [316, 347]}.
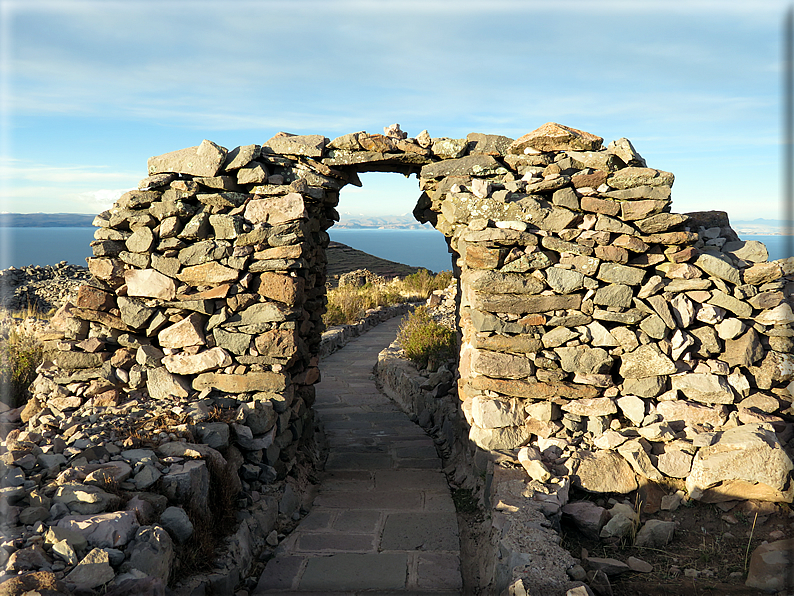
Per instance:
{"type": "Point", "coordinates": [383, 521]}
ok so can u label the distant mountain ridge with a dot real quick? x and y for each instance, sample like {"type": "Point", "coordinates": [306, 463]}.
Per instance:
{"type": "Point", "coordinates": [46, 220]}
{"type": "Point", "coordinates": [761, 226]}
{"type": "Point", "coordinates": [389, 222]}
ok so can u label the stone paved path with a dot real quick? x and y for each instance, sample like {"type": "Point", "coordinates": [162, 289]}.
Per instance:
{"type": "Point", "coordinates": [383, 521]}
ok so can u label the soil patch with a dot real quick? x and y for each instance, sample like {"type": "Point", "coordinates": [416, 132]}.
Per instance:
{"type": "Point", "coordinates": [707, 553]}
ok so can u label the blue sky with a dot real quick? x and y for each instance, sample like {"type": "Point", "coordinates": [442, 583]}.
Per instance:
{"type": "Point", "coordinates": [91, 90]}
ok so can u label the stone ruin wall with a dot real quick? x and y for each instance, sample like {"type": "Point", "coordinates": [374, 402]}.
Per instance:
{"type": "Point", "coordinates": [621, 340]}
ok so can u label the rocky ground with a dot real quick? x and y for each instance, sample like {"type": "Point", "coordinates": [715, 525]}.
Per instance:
{"type": "Point", "coordinates": [688, 548]}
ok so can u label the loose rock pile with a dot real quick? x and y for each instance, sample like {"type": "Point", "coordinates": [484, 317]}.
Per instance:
{"type": "Point", "coordinates": [40, 289]}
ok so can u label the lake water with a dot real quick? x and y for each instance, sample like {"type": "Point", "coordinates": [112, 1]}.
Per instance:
{"type": "Point", "coordinates": [419, 248]}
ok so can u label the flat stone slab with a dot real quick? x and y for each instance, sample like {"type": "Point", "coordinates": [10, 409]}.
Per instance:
{"type": "Point", "coordinates": [433, 531]}
{"type": "Point", "coordinates": [356, 572]}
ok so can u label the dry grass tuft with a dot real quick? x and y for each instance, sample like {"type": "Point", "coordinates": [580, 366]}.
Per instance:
{"type": "Point", "coordinates": [347, 304]}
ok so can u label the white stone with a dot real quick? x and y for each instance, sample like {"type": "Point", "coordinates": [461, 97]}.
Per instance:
{"type": "Point", "coordinates": [633, 408]}
{"type": "Point", "coordinates": [162, 384]}
{"type": "Point", "coordinates": [187, 332]}
{"type": "Point", "coordinates": [601, 336]}
{"type": "Point", "coordinates": [708, 313]}
{"type": "Point", "coordinates": [274, 210]}
{"type": "Point", "coordinates": [703, 387]}
{"type": "Point", "coordinates": [494, 413]}
{"type": "Point", "coordinates": [149, 283]}
{"type": "Point", "coordinates": [780, 315]}
{"type": "Point", "coordinates": [730, 328]}
{"type": "Point", "coordinates": [187, 364]}
{"type": "Point", "coordinates": [683, 310]}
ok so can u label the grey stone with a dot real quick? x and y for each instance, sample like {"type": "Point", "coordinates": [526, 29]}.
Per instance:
{"type": "Point", "coordinates": [585, 360]}
{"type": "Point", "coordinates": [287, 144]}
{"type": "Point", "coordinates": [737, 307]}
{"type": "Point", "coordinates": [187, 483]}
{"type": "Point", "coordinates": [105, 530]}
{"type": "Point", "coordinates": [645, 387]}
{"type": "Point", "coordinates": [178, 524]}
{"type": "Point", "coordinates": [84, 499]}
{"type": "Point", "coordinates": [241, 156]}
{"type": "Point", "coordinates": [655, 533]}
{"type": "Point", "coordinates": [214, 434]}
{"type": "Point", "coordinates": [564, 281]}
{"type": "Point", "coordinates": [93, 571]}
{"type": "Point", "coordinates": [152, 552]}
{"type": "Point", "coordinates": [588, 517]}
{"type": "Point", "coordinates": [134, 312]}
{"type": "Point", "coordinates": [654, 326]}
{"type": "Point", "coordinates": [471, 165]}
{"type": "Point", "coordinates": [141, 240]}
{"type": "Point", "coordinates": [750, 250]}
{"type": "Point", "coordinates": [618, 295]}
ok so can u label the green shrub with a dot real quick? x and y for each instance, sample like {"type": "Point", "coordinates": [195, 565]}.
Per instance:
{"type": "Point", "coordinates": [19, 357]}
{"type": "Point", "coordinates": [425, 341]}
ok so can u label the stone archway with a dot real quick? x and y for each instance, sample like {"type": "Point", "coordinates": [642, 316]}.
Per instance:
{"type": "Point", "coordinates": [586, 307]}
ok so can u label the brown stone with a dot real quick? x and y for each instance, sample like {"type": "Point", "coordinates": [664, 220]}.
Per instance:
{"type": "Point", "coordinates": [278, 343]}
{"type": "Point", "coordinates": [204, 160]}
{"type": "Point", "coordinates": [522, 304]}
{"type": "Point", "coordinates": [593, 180]}
{"type": "Point", "coordinates": [684, 255]}
{"type": "Point", "coordinates": [94, 298]}
{"type": "Point", "coordinates": [233, 383]}
{"type": "Point", "coordinates": [207, 273]}
{"type": "Point", "coordinates": [97, 316]}
{"type": "Point", "coordinates": [556, 137]}
{"type": "Point", "coordinates": [762, 273]}
{"type": "Point", "coordinates": [282, 288]}
{"type": "Point", "coordinates": [631, 243]}
{"type": "Point", "coordinates": [634, 210]}
{"type": "Point", "coordinates": [596, 205]}
{"type": "Point", "coordinates": [601, 472]}
{"type": "Point", "coordinates": [290, 251]}
{"type": "Point", "coordinates": [482, 257]}
{"type": "Point", "coordinates": [672, 238]}
{"type": "Point", "coordinates": [612, 253]}
{"type": "Point", "coordinates": [534, 389]}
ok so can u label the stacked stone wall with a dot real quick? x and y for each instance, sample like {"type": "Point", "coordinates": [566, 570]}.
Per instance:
{"type": "Point", "coordinates": [612, 333]}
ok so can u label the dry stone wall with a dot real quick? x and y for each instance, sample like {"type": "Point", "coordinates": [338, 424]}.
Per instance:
{"type": "Point", "coordinates": [602, 334]}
